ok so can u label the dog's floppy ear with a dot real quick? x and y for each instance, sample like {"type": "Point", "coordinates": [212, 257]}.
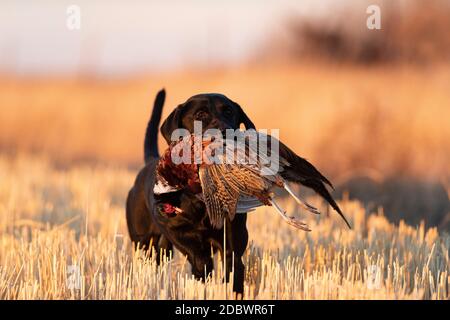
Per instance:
{"type": "Point", "coordinates": [172, 122]}
{"type": "Point", "coordinates": [243, 118]}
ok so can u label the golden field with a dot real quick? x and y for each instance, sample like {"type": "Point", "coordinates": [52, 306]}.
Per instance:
{"type": "Point", "coordinates": [70, 149]}
{"type": "Point", "coordinates": [52, 220]}
{"type": "Point", "coordinates": [391, 119]}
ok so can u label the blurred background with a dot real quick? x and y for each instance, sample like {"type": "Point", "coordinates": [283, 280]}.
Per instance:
{"type": "Point", "coordinates": [370, 108]}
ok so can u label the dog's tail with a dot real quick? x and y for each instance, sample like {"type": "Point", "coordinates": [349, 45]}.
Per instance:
{"type": "Point", "coordinates": [151, 134]}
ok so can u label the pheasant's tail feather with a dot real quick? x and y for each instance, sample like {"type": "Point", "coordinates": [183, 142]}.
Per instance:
{"type": "Point", "coordinates": [300, 201]}
{"type": "Point", "coordinates": [319, 187]}
{"type": "Point", "coordinates": [299, 169]}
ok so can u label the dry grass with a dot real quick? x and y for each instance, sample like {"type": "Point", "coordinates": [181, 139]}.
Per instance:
{"type": "Point", "coordinates": [51, 219]}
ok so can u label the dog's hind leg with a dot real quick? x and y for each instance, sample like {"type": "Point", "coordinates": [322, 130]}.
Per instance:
{"type": "Point", "coordinates": [144, 232]}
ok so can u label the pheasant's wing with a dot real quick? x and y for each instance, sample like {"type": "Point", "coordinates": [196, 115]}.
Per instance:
{"type": "Point", "coordinates": [272, 165]}
{"type": "Point", "coordinates": [248, 203]}
{"type": "Point", "coordinates": [246, 180]}
{"type": "Point", "coordinates": [220, 200]}
{"type": "Point", "coordinates": [299, 169]}
{"type": "Point", "coordinates": [225, 185]}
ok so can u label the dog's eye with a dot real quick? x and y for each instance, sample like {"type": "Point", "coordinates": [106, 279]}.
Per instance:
{"type": "Point", "coordinates": [227, 112]}
{"type": "Point", "coordinates": [200, 115]}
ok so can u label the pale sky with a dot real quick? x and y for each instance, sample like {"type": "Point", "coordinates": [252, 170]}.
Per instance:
{"type": "Point", "coordinates": [122, 37]}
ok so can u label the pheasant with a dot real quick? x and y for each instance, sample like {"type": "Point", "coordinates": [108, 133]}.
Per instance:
{"type": "Point", "coordinates": [237, 179]}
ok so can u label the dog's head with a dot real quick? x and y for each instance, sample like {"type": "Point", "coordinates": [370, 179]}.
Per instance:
{"type": "Point", "coordinates": [215, 111]}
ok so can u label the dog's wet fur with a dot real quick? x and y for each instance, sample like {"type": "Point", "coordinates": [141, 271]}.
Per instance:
{"type": "Point", "coordinates": [190, 231]}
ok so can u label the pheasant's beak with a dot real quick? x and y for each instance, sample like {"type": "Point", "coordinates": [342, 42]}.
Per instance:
{"type": "Point", "coordinates": [178, 210]}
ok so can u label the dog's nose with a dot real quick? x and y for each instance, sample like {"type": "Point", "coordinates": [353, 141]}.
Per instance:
{"type": "Point", "coordinates": [224, 126]}
{"type": "Point", "coordinates": [224, 129]}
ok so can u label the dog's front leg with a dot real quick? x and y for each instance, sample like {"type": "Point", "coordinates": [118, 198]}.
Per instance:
{"type": "Point", "coordinates": [237, 240]}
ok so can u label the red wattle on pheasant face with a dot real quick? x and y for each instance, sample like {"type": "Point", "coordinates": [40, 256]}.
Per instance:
{"type": "Point", "coordinates": [168, 208]}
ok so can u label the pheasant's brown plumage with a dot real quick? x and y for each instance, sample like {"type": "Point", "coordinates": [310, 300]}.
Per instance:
{"type": "Point", "coordinates": [223, 184]}
{"type": "Point", "coordinates": [225, 187]}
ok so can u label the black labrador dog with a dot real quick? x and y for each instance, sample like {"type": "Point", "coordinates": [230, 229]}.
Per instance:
{"type": "Point", "coordinates": [190, 232]}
